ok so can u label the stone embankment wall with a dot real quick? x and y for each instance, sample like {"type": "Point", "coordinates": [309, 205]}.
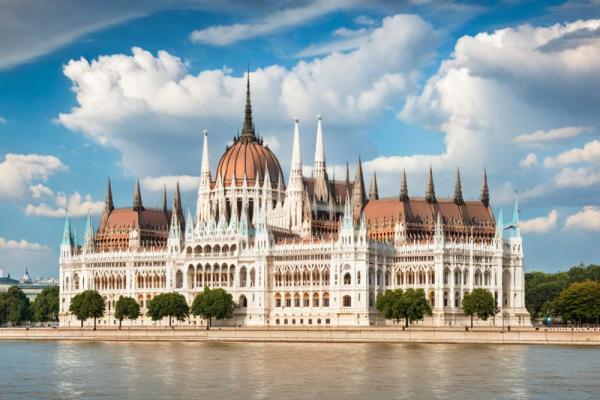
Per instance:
{"type": "Point", "coordinates": [332, 335]}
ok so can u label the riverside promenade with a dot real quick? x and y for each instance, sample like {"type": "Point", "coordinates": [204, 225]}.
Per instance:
{"type": "Point", "coordinates": [553, 336]}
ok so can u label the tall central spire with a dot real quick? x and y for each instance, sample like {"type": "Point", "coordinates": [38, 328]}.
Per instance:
{"type": "Point", "coordinates": [248, 128]}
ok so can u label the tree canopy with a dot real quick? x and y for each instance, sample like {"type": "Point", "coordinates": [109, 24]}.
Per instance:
{"type": "Point", "coordinates": [14, 306]}
{"type": "Point", "coordinates": [213, 303]}
{"type": "Point", "coordinates": [126, 307]}
{"type": "Point", "coordinates": [542, 289]}
{"type": "Point", "coordinates": [580, 302]}
{"type": "Point", "coordinates": [479, 302]}
{"type": "Point", "coordinates": [168, 305]}
{"type": "Point", "coordinates": [45, 307]}
{"type": "Point", "coordinates": [87, 304]}
{"type": "Point", "coordinates": [412, 305]}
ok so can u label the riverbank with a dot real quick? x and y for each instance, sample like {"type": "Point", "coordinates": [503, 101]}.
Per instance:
{"type": "Point", "coordinates": [557, 336]}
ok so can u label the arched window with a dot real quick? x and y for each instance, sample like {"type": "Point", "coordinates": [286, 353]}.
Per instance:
{"type": "Point", "coordinates": [315, 299]}
{"type": "Point", "coordinates": [277, 300]}
{"type": "Point", "coordinates": [243, 302]}
{"type": "Point", "coordinates": [325, 299]}
{"type": "Point", "coordinates": [243, 277]}
{"type": "Point", "coordinates": [358, 278]}
{"type": "Point", "coordinates": [445, 299]}
{"type": "Point", "coordinates": [306, 300]}
{"type": "Point", "coordinates": [347, 301]}
{"type": "Point", "coordinates": [252, 277]}
{"type": "Point", "coordinates": [76, 282]}
{"type": "Point", "coordinates": [456, 299]}
{"type": "Point", "coordinates": [288, 300]}
{"type": "Point", "coordinates": [179, 279]}
{"type": "Point", "coordinates": [347, 278]}
{"type": "Point", "coordinates": [297, 300]}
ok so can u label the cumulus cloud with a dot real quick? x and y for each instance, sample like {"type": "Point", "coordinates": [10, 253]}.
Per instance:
{"type": "Point", "coordinates": [577, 177]}
{"type": "Point", "coordinates": [77, 205]}
{"type": "Point", "coordinates": [589, 153]}
{"type": "Point", "coordinates": [499, 83]}
{"type": "Point", "coordinates": [19, 171]}
{"type": "Point", "coordinates": [22, 244]}
{"type": "Point", "coordinates": [588, 219]}
{"type": "Point", "coordinates": [529, 161]}
{"type": "Point", "coordinates": [505, 193]}
{"type": "Point", "coordinates": [40, 191]}
{"type": "Point", "coordinates": [187, 183]}
{"type": "Point", "coordinates": [151, 108]}
{"type": "Point", "coordinates": [553, 135]}
{"type": "Point", "coordinates": [541, 224]}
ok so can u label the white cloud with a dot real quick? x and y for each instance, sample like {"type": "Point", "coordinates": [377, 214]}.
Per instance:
{"type": "Point", "coordinates": [541, 224]}
{"type": "Point", "coordinates": [579, 177]}
{"type": "Point", "coordinates": [78, 206]}
{"type": "Point", "coordinates": [529, 161]}
{"type": "Point", "coordinates": [588, 219]}
{"type": "Point", "coordinates": [365, 20]}
{"type": "Point", "coordinates": [40, 191]}
{"type": "Point", "coordinates": [187, 183]}
{"type": "Point", "coordinates": [505, 194]}
{"type": "Point", "coordinates": [222, 35]}
{"type": "Point", "coordinates": [150, 108]}
{"type": "Point", "coordinates": [553, 135]}
{"type": "Point", "coordinates": [19, 171]}
{"type": "Point", "coordinates": [499, 83]}
{"type": "Point", "coordinates": [589, 153]}
{"type": "Point", "coordinates": [2, 120]}
{"type": "Point", "coordinates": [21, 245]}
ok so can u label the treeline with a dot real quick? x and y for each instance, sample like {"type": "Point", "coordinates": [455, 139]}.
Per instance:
{"type": "Point", "coordinates": [572, 296]}
{"type": "Point", "coordinates": [212, 303]}
{"type": "Point", "coordinates": [16, 309]}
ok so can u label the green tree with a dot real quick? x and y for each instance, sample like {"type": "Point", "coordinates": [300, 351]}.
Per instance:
{"type": "Point", "coordinates": [390, 304]}
{"type": "Point", "coordinates": [215, 303]}
{"type": "Point", "coordinates": [580, 302]}
{"type": "Point", "coordinates": [126, 307]}
{"type": "Point", "coordinates": [14, 306]}
{"type": "Point", "coordinates": [45, 307]}
{"type": "Point", "coordinates": [168, 305]}
{"type": "Point", "coordinates": [87, 304]}
{"type": "Point", "coordinates": [479, 302]}
{"type": "Point", "coordinates": [416, 305]}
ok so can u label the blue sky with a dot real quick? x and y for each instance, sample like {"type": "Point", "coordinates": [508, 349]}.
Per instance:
{"type": "Point", "coordinates": [124, 90]}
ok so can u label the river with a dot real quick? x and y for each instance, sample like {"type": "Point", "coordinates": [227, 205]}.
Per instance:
{"type": "Point", "coordinates": [75, 370]}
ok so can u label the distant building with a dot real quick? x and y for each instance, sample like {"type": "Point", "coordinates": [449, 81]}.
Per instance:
{"type": "Point", "coordinates": [30, 287]}
{"type": "Point", "coordinates": [317, 251]}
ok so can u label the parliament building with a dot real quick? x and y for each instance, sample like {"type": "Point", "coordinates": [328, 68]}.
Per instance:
{"type": "Point", "coordinates": [312, 251]}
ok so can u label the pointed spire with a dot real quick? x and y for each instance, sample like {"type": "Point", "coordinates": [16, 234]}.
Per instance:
{"type": "Point", "coordinates": [296, 167]}
{"type": "Point", "coordinates": [205, 167]}
{"type": "Point", "coordinates": [500, 224]}
{"type": "Point", "coordinates": [358, 192]}
{"type": "Point", "coordinates": [89, 231]}
{"type": "Point", "coordinates": [177, 205]}
{"type": "Point", "coordinates": [137, 197]}
{"type": "Point", "coordinates": [485, 190]}
{"type": "Point", "coordinates": [430, 193]}
{"type": "Point", "coordinates": [347, 174]}
{"type": "Point", "coordinates": [248, 128]}
{"type": "Point", "coordinates": [164, 199]}
{"type": "Point", "coordinates": [458, 196]}
{"type": "Point", "coordinates": [374, 191]}
{"type": "Point", "coordinates": [108, 202]}
{"type": "Point", "coordinates": [67, 238]}
{"type": "Point", "coordinates": [319, 167]}
{"type": "Point", "coordinates": [404, 187]}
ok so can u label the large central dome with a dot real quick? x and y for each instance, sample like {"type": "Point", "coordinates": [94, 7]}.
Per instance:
{"type": "Point", "coordinates": [248, 156]}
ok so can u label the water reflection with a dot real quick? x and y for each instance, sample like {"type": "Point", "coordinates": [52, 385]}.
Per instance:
{"type": "Point", "coordinates": [264, 371]}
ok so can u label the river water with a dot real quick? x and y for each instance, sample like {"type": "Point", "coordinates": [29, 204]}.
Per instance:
{"type": "Point", "coordinates": [73, 370]}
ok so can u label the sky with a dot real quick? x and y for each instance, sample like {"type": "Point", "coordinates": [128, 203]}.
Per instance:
{"type": "Point", "coordinates": [124, 89]}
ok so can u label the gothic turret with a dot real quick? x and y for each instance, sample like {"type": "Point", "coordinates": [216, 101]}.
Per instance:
{"type": "Point", "coordinates": [67, 244]}
{"type": "Point", "coordinates": [359, 197]}
{"type": "Point", "coordinates": [108, 202]}
{"type": "Point", "coordinates": [319, 170]}
{"type": "Point", "coordinates": [485, 191]}
{"type": "Point", "coordinates": [137, 197]}
{"type": "Point", "coordinates": [430, 193]}
{"type": "Point", "coordinates": [374, 191]}
{"type": "Point", "coordinates": [177, 209]}
{"type": "Point", "coordinates": [458, 197]}
{"type": "Point", "coordinates": [88, 238]}
{"type": "Point", "coordinates": [404, 187]}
